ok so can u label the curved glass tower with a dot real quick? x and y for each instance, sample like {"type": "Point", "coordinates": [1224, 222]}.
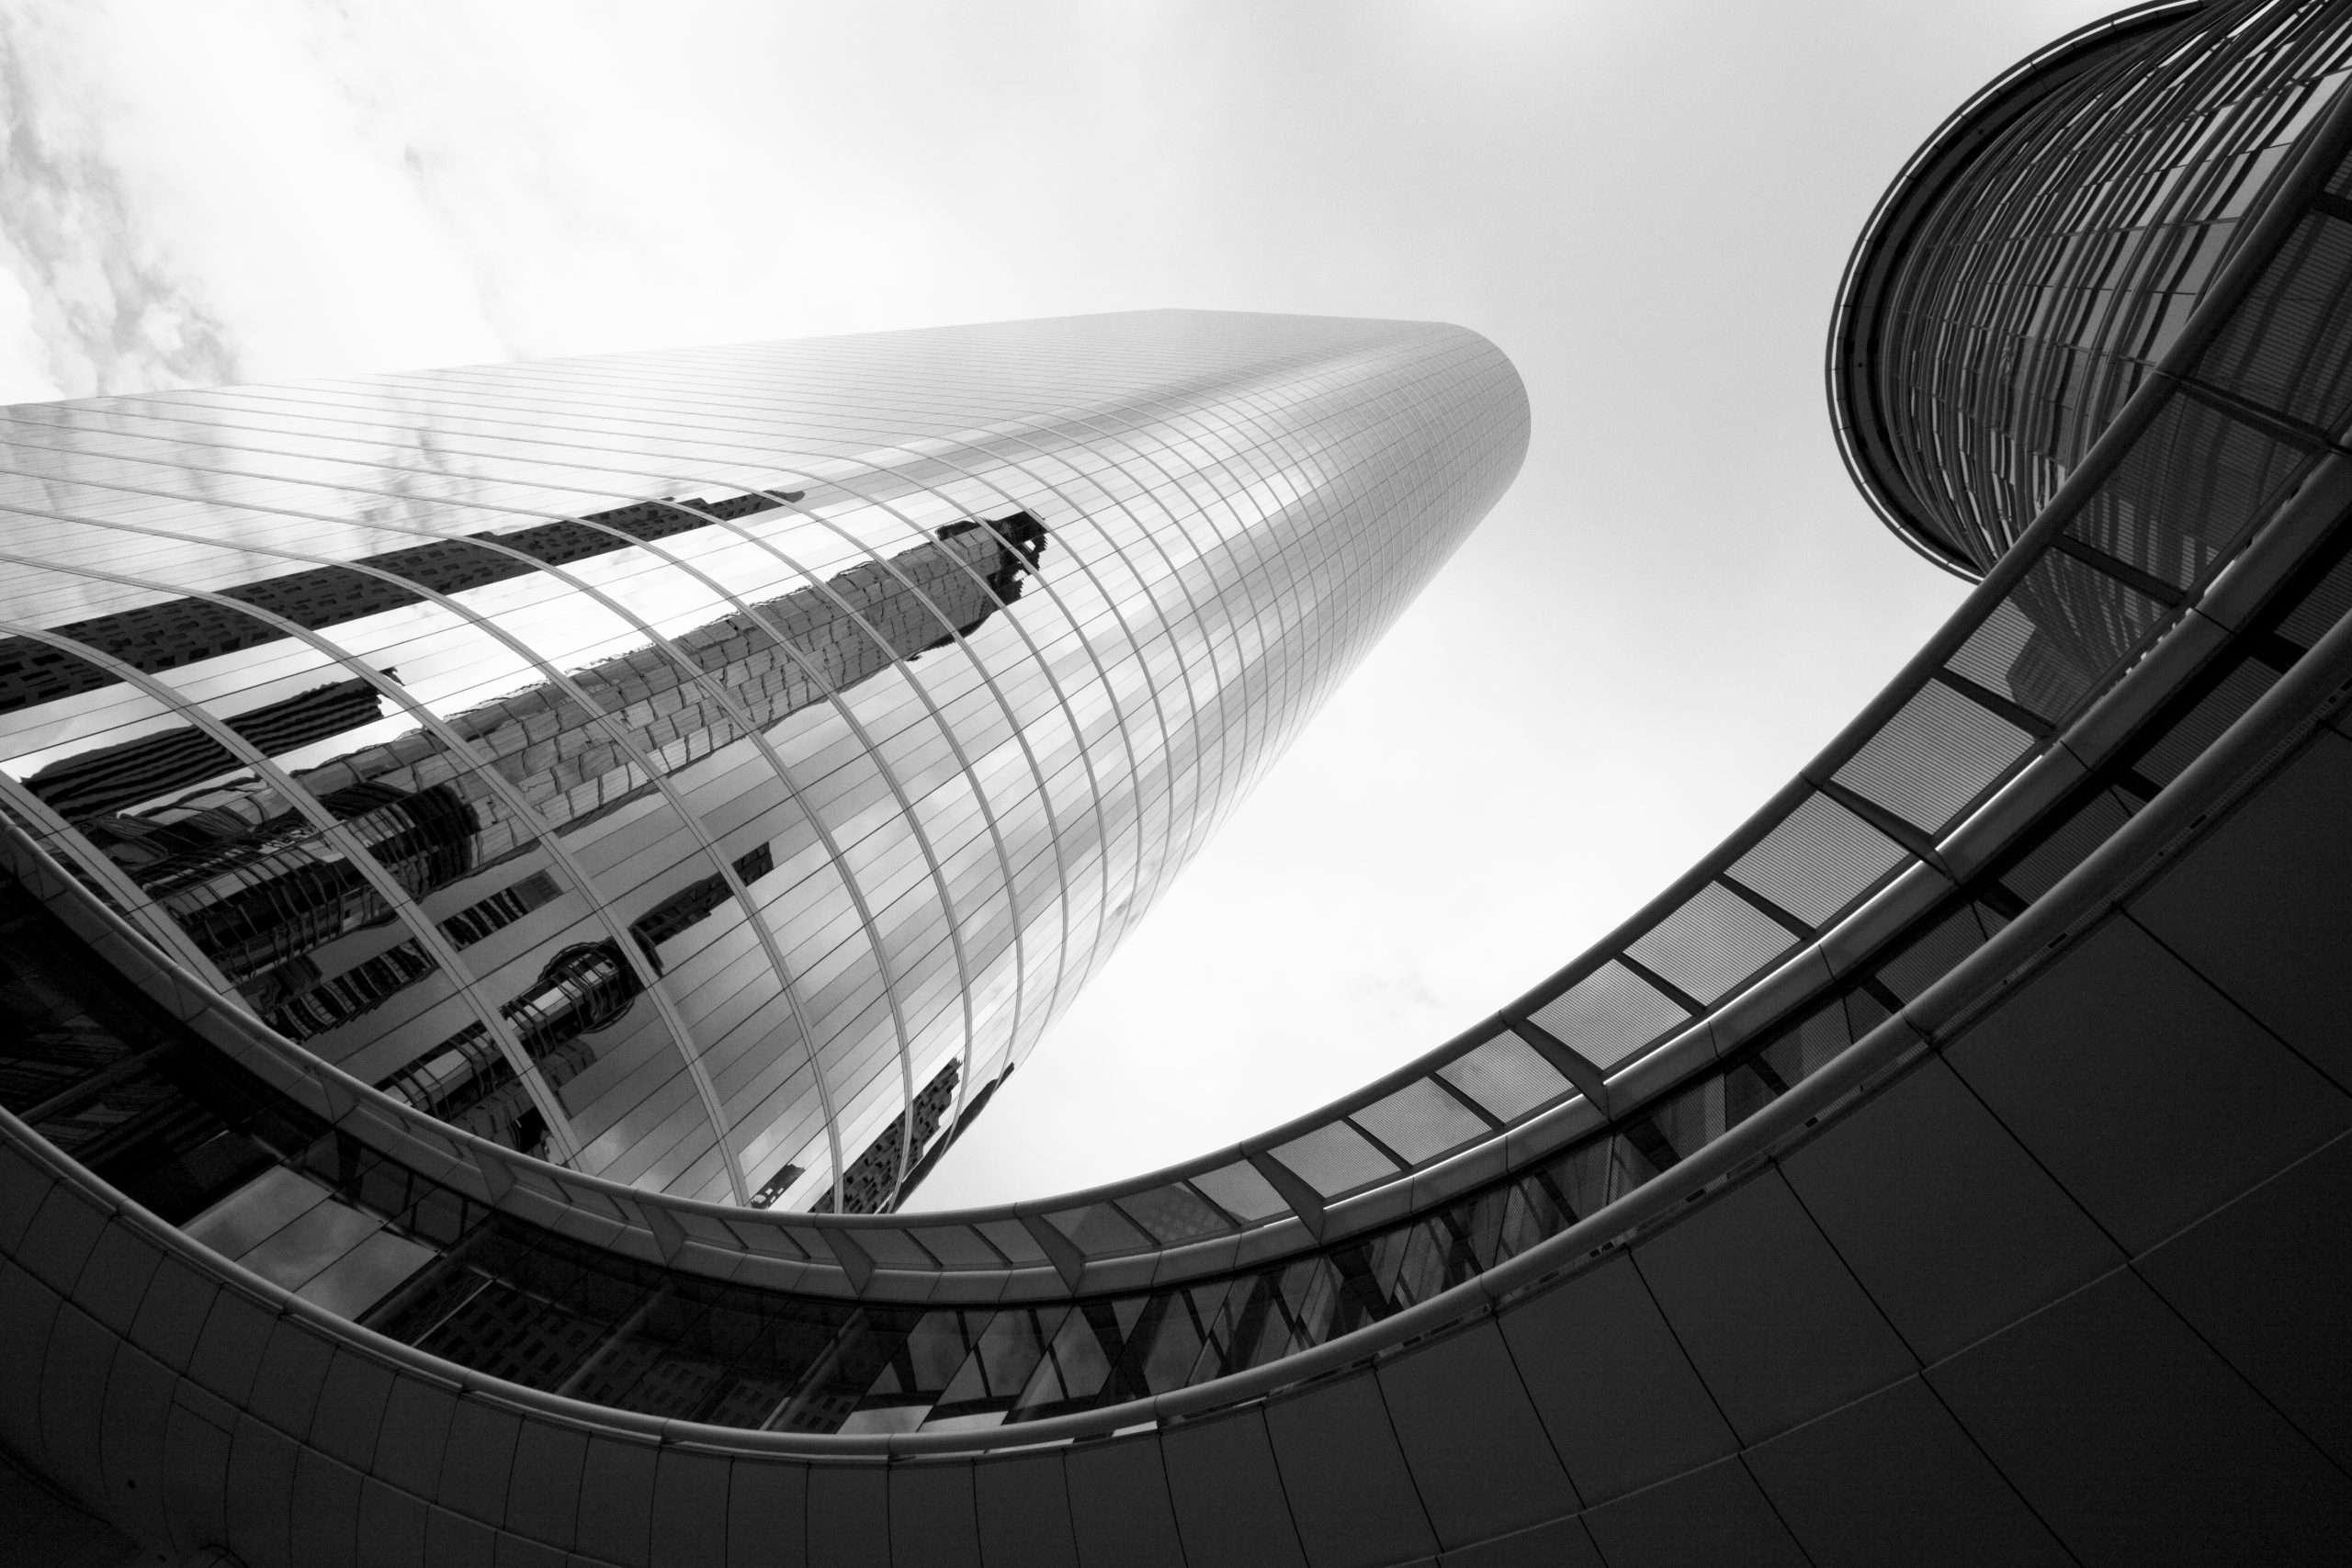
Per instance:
{"type": "Point", "coordinates": [710, 771]}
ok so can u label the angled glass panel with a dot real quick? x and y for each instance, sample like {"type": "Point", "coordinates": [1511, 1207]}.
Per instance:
{"type": "Point", "coordinates": [1608, 1014]}
{"type": "Point", "coordinates": [1506, 1075]}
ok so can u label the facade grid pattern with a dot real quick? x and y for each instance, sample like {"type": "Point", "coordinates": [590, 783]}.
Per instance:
{"type": "Point", "coordinates": [967, 802]}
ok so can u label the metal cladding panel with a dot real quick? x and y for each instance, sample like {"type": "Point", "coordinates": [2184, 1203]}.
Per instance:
{"type": "Point", "coordinates": [2292, 849]}
{"type": "Point", "coordinates": [689, 1516]}
{"type": "Point", "coordinates": [767, 1514]}
{"type": "Point", "coordinates": [28, 1310]}
{"type": "Point", "coordinates": [350, 1409]}
{"type": "Point", "coordinates": [459, 1541]}
{"type": "Point", "coordinates": [1351, 1493]}
{"type": "Point", "coordinates": [326, 1527]}
{"type": "Point", "coordinates": [1945, 1220]}
{"type": "Point", "coordinates": [261, 1503]}
{"type": "Point", "coordinates": [616, 1500]}
{"type": "Point", "coordinates": [194, 1480]}
{"type": "Point", "coordinates": [2092, 1078]}
{"type": "Point", "coordinates": [849, 1515]}
{"type": "Point", "coordinates": [2136, 1444]}
{"type": "Point", "coordinates": [1715, 1515]}
{"type": "Point", "coordinates": [1230, 1507]}
{"type": "Point", "coordinates": [1025, 1512]}
{"type": "Point", "coordinates": [1894, 1478]}
{"type": "Point", "coordinates": [1119, 1505]}
{"type": "Point", "coordinates": [934, 1518]}
{"type": "Point", "coordinates": [544, 1487]}
{"type": "Point", "coordinates": [713, 767]}
{"type": "Point", "coordinates": [1472, 1438]}
{"type": "Point", "coordinates": [393, 1526]}
{"type": "Point", "coordinates": [1562, 1543]}
{"type": "Point", "coordinates": [414, 1434]}
{"type": "Point", "coordinates": [1773, 1323]}
{"type": "Point", "coordinates": [2283, 1334]}
{"type": "Point", "coordinates": [1625, 1418]}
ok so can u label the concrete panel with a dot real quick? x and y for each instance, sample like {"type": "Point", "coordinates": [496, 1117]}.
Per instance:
{"type": "Point", "coordinates": [1619, 1397]}
{"type": "Point", "coordinates": [2268, 1282]}
{"type": "Point", "coordinates": [767, 1514]}
{"type": "Point", "coordinates": [616, 1499]}
{"type": "Point", "coordinates": [1477, 1452]}
{"type": "Point", "coordinates": [932, 1515]}
{"type": "Point", "coordinates": [2287, 853]}
{"type": "Point", "coordinates": [1774, 1323]}
{"type": "Point", "coordinates": [1119, 1507]}
{"type": "Point", "coordinates": [2137, 1444]}
{"type": "Point", "coordinates": [1230, 1511]}
{"type": "Point", "coordinates": [1714, 1515]}
{"type": "Point", "coordinates": [1351, 1494]}
{"type": "Point", "coordinates": [849, 1515]}
{"type": "Point", "coordinates": [1024, 1509]}
{"type": "Point", "coordinates": [1951, 1227]}
{"type": "Point", "coordinates": [1894, 1478]}
{"type": "Point", "coordinates": [2141, 1087]}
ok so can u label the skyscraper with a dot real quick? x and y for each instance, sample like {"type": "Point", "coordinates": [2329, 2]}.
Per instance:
{"type": "Point", "coordinates": [711, 770]}
{"type": "Point", "coordinates": [1950, 1168]}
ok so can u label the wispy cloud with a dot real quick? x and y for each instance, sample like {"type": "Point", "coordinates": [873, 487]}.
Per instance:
{"type": "Point", "coordinates": [88, 302]}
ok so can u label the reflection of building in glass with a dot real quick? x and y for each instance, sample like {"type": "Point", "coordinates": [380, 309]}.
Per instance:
{"type": "Point", "coordinates": [269, 892]}
{"type": "Point", "coordinates": [872, 1174]}
{"type": "Point", "coordinates": [746, 835]}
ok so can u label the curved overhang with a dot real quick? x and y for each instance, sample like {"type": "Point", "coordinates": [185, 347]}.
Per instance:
{"type": "Point", "coordinates": [1943, 163]}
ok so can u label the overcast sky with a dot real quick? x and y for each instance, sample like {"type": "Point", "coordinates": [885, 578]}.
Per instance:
{"type": "Point", "coordinates": [1645, 204]}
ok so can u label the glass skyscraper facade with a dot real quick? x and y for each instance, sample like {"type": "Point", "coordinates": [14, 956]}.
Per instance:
{"type": "Point", "coordinates": [714, 770]}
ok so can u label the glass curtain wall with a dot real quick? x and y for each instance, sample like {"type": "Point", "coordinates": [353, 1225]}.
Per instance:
{"type": "Point", "coordinates": [714, 769]}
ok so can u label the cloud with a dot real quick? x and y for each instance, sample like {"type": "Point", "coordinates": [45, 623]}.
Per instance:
{"type": "Point", "coordinates": [87, 302]}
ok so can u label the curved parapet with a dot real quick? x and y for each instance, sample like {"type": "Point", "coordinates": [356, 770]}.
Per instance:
{"type": "Point", "coordinates": [1950, 1168]}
